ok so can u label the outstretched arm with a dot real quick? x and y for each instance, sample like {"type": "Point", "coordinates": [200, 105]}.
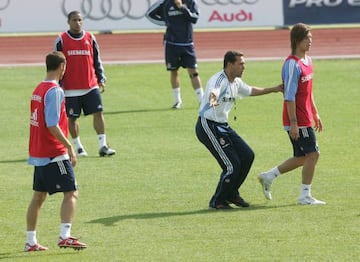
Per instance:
{"type": "Point", "coordinates": [258, 91]}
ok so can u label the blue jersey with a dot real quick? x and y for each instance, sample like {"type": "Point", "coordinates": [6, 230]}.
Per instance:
{"type": "Point", "coordinates": [178, 21]}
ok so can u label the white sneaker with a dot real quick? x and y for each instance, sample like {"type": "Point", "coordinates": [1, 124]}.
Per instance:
{"type": "Point", "coordinates": [177, 105]}
{"type": "Point", "coordinates": [106, 151]}
{"type": "Point", "coordinates": [309, 200]}
{"type": "Point", "coordinates": [81, 152]}
{"type": "Point", "coordinates": [266, 185]}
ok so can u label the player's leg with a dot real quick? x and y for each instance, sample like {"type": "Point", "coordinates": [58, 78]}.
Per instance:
{"type": "Point", "coordinates": [92, 104]}
{"type": "Point", "coordinates": [68, 206]}
{"type": "Point", "coordinates": [99, 123]}
{"type": "Point", "coordinates": [73, 110]}
{"type": "Point", "coordinates": [33, 211]}
{"type": "Point", "coordinates": [309, 167]}
{"type": "Point", "coordinates": [63, 175]}
{"type": "Point", "coordinates": [32, 216]}
{"type": "Point", "coordinates": [175, 85]}
{"type": "Point", "coordinates": [242, 167]}
{"type": "Point", "coordinates": [74, 127]}
{"type": "Point", "coordinates": [220, 147]}
{"type": "Point", "coordinates": [188, 60]}
{"type": "Point", "coordinates": [172, 65]}
{"type": "Point", "coordinates": [67, 212]}
{"type": "Point", "coordinates": [266, 178]}
{"type": "Point", "coordinates": [312, 153]}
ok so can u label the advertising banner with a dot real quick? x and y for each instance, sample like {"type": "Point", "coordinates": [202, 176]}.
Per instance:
{"type": "Point", "coordinates": [19, 16]}
{"type": "Point", "coordinates": [321, 11]}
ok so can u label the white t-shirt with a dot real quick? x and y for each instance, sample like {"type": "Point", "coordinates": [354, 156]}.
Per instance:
{"type": "Point", "coordinates": [226, 93]}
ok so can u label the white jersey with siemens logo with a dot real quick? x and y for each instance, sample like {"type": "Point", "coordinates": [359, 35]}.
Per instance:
{"type": "Point", "coordinates": [226, 94]}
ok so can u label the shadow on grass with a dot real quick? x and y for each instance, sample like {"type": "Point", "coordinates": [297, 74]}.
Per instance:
{"type": "Point", "coordinates": [110, 221]}
{"type": "Point", "coordinates": [13, 161]}
{"type": "Point", "coordinates": [32, 256]}
{"type": "Point", "coordinates": [145, 110]}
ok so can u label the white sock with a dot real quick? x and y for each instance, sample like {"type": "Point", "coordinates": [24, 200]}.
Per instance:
{"type": "Point", "coordinates": [77, 143]}
{"type": "Point", "coordinates": [65, 229]}
{"type": "Point", "coordinates": [273, 173]}
{"type": "Point", "coordinates": [102, 140]}
{"type": "Point", "coordinates": [305, 190]}
{"type": "Point", "coordinates": [31, 238]}
{"type": "Point", "coordinates": [177, 94]}
{"type": "Point", "coordinates": [199, 93]}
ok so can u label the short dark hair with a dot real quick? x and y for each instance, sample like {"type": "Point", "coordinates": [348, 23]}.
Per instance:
{"type": "Point", "coordinates": [75, 12]}
{"type": "Point", "coordinates": [297, 34]}
{"type": "Point", "coordinates": [230, 57]}
{"type": "Point", "coordinates": [53, 60]}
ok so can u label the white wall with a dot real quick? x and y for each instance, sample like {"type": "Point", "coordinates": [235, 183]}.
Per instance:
{"type": "Point", "coordinates": [19, 16]}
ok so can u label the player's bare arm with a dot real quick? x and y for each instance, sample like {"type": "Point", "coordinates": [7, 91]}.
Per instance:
{"type": "Point", "coordinates": [257, 91]}
{"type": "Point", "coordinates": [102, 87]}
{"type": "Point", "coordinates": [59, 135]}
{"type": "Point", "coordinates": [294, 128]}
{"type": "Point", "coordinates": [318, 126]}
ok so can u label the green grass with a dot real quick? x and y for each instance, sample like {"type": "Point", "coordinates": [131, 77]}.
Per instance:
{"type": "Point", "coordinates": [149, 202]}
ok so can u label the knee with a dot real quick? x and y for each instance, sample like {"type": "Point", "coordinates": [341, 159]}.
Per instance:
{"type": "Point", "coordinates": [314, 155]}
{"type": "Point", "coordinates": [193, 75]}
{"type": "Point", "coordinates": [39, 197]}
{"type": "Point", "coordinates": [71, 196]}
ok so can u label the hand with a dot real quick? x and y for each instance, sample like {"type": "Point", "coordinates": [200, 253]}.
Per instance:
{"type": "Point", "coordinates": [72, 156]}
{"type": "Point", "coordinates": [318, 123]}
{"type": "Point", "coordinates": [178, 3]}
{"type": "Point", "coordinates": [280, 88]}
{"type": "Point", "coordinates": [212, 100]}
{"type": "Point", "coordinates": [102, 87]}
{"type": "Point", "coordinates": [294, 132]}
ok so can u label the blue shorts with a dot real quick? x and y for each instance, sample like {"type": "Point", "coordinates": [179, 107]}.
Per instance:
{"type": "Point", "coordinates": [176, 56]}
{"type": "Point", "coordinates": [89, 103]}
{"type": "Point", "coordinates": [306, 143]}
{"type": "Point", "coordinates": [55, 177]}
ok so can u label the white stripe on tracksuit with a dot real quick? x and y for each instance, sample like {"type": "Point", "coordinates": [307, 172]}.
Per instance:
{"type": "Point", "coordinates": [304, 132]}
{"type": "Point", "coordinates": [217, 146]}
{"type": "Point", "coordinates": [62, 167]}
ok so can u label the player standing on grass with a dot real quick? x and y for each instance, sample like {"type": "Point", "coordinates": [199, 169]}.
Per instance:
{"type": "Point", "coordinates": [233, 154]}
{"type": "Point", "coordinates": [81, 82]}
{"type": "Point", "coordinates": [178, 16]}
{"type": "Point", "coordinates": [52, 155]}
{"type": "Point", "coordinates": [299, 115]}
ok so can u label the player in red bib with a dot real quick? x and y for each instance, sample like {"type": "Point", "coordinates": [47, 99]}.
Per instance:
{"type": "Point", "coordinates": [52, 155]}
{"type": "Point", "coordinates": [300, 114]}
{"type": "Point", "coordinates": [82, 80]}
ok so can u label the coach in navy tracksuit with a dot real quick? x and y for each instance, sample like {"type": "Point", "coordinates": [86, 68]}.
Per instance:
{"type": "Point", "coordinates": [233, 154]}
{"type": "Point", "coordinates": [178, 16]}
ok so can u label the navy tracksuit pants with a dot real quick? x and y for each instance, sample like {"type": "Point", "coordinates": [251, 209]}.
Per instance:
{"type": "Point", "coordinates": [233, 154]}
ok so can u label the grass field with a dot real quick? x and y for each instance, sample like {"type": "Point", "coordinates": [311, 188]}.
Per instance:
{"type": "Point", "coordinates": [149, 202]}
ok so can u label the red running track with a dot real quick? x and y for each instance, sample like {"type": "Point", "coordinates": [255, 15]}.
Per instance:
{"type": "Point", "coordinates": [147, 47]}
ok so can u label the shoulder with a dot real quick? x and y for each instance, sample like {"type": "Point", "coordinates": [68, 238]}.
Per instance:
{"type": "Point", "coordinates": [291, 63]}
{"type": "Point", "coordinates": [218, 78]}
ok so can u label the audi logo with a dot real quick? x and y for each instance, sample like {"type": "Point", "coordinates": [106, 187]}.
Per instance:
{"type": "Point", "coordinates": [107, 9]}
{"type": "Point", "coordinates": [227, 2]}
{"type": "Point", "coordinates": [4, 4]}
